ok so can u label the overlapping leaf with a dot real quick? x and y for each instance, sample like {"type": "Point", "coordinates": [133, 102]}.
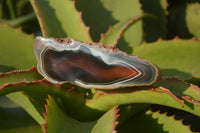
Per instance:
{"type": "Point", "coordinates": [112, 36]}
{"type": "Point", "coordinates": [169, 92]}
{"type": "Point", "coordinates": [175, 57]}
{"type": "Point", "coordinates": [154, 122]}
{"type": "Point", "coordinates": [14, 119]}
{"type": "Point", "coordinates": [60, 19]}
{"type": "Point", "coordinates": [162, 95]}
{"type": "Point", "coordinates": [30, 81]}
{"type": "Point", "coordinates": [57, 119]}
{"type": "Point", "coordinates": [100, 15]}
{"type": "Point", "coordinates": [16, 50]}
{"type": "Point", "coordinates": [193, 19]}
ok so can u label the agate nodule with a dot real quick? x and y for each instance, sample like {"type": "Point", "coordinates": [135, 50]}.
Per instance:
{"type": "Point", "coordinates": [91, 65]}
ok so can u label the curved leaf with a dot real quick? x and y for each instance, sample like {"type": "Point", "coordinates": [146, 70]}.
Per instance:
{"type": "Point", "coordinates": [175, 57]}
{"type": "Point", "coordinates": [180, 88]}
{"type": "Point", "coordinates": [175, 94]}
{"type": "Point", "coordinates": [17, 76]}
{"type": "Point", "coordinates": [114, 33]}
{"type": "Point", "coordinates": [13, 119]}
{"type": "Point", "coordinates": [107, 123]}
{"type": "Point", "coordinates": [16, 50]}
{"type": "Point", "coordinates": [154, 122]}
{"type": "Point", "coordinates": [123, 10]}
{"type": "Point", "coordinates": [169, 123]}
{"type": "Point", "coordinates": [29, 81]}
{"type": "Point", "coordinates": [60, 19]}
{"type": "Point", "coordinates": [179, 95]}
{"type": "Point", "coordinates": [193, 19]}
{"type": "Point", "coordinates": [27, 105]}
{"type": "Point", "coordinates": [99, 15]}
{"type": "Point", "coordinates": [19, 98]}
{"type": "Point", "coordinates": [127, 111]}
{"type": "Point", "coordinates": [56, 119]}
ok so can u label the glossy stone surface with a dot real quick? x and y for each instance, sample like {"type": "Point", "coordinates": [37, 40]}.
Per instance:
{"type": "Point", "coordinates": [91, 65]}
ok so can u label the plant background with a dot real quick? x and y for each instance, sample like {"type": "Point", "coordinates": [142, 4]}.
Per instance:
{"type": "Point", "coordinates": [169, 38]}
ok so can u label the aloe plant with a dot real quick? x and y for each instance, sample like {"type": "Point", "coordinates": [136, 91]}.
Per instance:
{"type": "Point", "coordinates": [153, 30]}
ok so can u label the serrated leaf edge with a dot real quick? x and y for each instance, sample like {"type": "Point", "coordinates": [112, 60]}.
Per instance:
{"type": "Point", "coordinates": [165, 113]}
{"type": "Point", "coordinates": [115, 122]}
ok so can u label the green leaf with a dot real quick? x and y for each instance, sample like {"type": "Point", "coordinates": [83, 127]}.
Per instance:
{"type": "Point", "coordinates": [127, 111]}
{"type": "Point", "coordinates": [16, 49]}
{"type": "Point", "coordinates": [17, 76]}
{"type": "Point", "coordinates": [175, 57]}
{"type": "Point", "coordinates": [17, 53]}
{"type": "Point", "coordinates": [114, 33]}
{"type": "Point", "coordinates": [180, 88]}
{"type": "Point", "coordinates": [13, 119]}
{"type": "Point", "coordinates": [123, 10]}
{"type": "Point", "coordinates": [155, 28]}
{"type": "Point", "coordinates": [193, 19]}
{"type": "Point", "coordinates": [60, 19]}
{"type": "Point", "coordinates": [27, 105]}
{"type": "Point", "coordinates": [154, 122]}
{"type": "Point", "coordinates": [107, 123]}
{"type": "Point", "coordinates": [99, 15]}
{"type": "Point", "coordinates": [177, 95]}
{"type": "Point", "coordinates": [169, 123]}
{"type": "Point", "coordinates": [19, 98]}
{"type": "Point", "coordinates": [58, 121]}
{"type": "Point", "coordinates": [29, 81]}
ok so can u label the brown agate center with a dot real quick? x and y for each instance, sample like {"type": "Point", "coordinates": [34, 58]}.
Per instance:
{"type": "Point", "coordinates": [78, 65]}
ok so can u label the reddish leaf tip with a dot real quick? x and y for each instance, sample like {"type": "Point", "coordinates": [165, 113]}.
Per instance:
{"type": "Point", "coordinates": [104, 34]}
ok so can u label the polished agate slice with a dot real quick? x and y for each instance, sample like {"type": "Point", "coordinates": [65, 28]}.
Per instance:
{"type": "Point", "coordinates": [91, 65]}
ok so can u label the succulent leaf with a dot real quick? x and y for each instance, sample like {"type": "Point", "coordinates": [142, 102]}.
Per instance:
{"type": "Point", "coordinates": [60, 19]}
{"type": "Point", "coordinates": [155, 95]}
{"type": "Point", "coordinates": [180, 88]}
{"type": "Point", "coordinates": [193, 19]}
{"type": "Point", "coordinates": [34, 84]}
{"type": "Point", "coordinates": [30, 82]}
{"type": "Point", "coordinates": [108, 122]}
{"type": "Point", "coordinates": [57, 119]}
{"type": "Point", "coordinates": [100, 15]}
{"type": "Point", "coordinates": [154, 122]}
{"type": "Point", "coordinates": [23, 101]}
{"type": "Point", "coordinates": [112, 36]}
{"type": "Point", "coordinates": [169, 123]}
{"type": "Point", "coordinates": [175, 57]}
{"type": "Point", "coordinates": [15, 77]}
{"type": "Point", "coordinates": [14, 119]}
{"type": "Point", "coordinates": [16, 50]}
